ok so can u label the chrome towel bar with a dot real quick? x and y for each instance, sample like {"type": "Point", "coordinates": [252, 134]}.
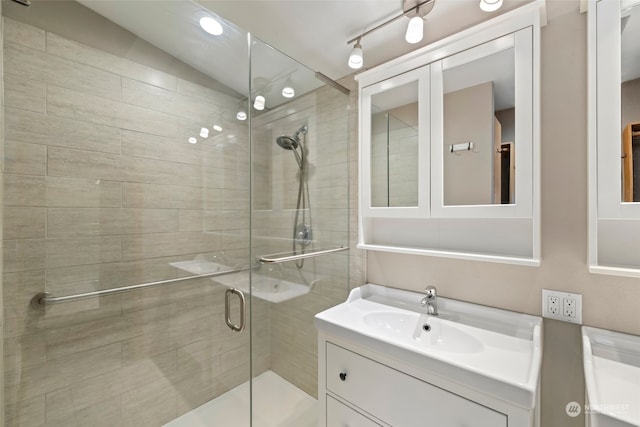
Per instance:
{"type": "Point", "coordinates": [43, 299]}
{"type": "Point", "coordinates": [278, 258]}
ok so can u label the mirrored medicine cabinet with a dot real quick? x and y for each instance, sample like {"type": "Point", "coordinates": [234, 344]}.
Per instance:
{"type": "Point", "coordinates": [449, 145]}
{"type": "Point", "coordinates": [614, 137]}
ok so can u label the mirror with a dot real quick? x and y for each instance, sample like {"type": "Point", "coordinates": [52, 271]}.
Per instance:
{"type": "Point", "coordinates": [394, 147]}
{"type": "Point", "coordinates": [479, 129]}
{"type": "Point", "coordinates": [630, 103]}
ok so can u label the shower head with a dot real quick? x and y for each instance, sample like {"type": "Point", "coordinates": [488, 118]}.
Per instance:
{"type": "Point", "coordinates": [287, 142]}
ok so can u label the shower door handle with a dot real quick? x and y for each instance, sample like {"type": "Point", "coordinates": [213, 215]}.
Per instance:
{"type": "Point", "coordinates": [227, 309]}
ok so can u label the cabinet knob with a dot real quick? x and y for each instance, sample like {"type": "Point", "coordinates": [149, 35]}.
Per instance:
{"type": "Point", "coordinates": [343, 376]}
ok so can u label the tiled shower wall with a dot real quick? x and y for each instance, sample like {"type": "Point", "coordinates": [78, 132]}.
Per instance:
{"type": "Point", "coordinates": [101, 190]}
{"type": "Point", "coordinates": [326, 113]}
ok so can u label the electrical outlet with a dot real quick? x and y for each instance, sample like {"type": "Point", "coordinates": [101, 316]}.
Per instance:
{"type": "Point", "coordinates": [568, 307]}
{"type": "Point", "coordinates": [553, 305]}
{"type": "Point", "coordinates": [562, 306]}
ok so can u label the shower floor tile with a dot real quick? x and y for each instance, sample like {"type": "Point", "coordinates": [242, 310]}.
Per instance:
{"type": "Point", "coordinates": [276, 403]}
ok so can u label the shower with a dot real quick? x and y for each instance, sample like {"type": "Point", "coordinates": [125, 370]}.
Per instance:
{"type": "Point", "coordinates": [302, 231]}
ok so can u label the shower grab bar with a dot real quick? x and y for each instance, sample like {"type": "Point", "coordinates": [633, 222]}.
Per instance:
{"type": "Point", "coordinates": [276, 259]}
{"type": "Point", "coordinates": [43, 299]}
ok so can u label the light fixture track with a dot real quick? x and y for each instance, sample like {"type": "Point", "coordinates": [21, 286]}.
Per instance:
{"type": "Point", "coordinates": [407, 12]}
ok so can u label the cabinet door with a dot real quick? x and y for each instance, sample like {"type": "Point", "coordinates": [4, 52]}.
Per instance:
{"type": "Point", "coordinates": [394, 148]}
{"type": "Point", "coordinates": [399, 399]}
{"type": "Point", "coordinates": [339, 415]}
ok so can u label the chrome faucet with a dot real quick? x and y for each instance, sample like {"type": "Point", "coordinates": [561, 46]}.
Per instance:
{"type": "Point", "coordinates": [430, 300]}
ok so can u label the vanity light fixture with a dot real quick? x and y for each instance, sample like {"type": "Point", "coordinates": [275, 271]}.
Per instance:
{"type": "Point", "coordinates": [414, 9]}
{"type": "Point", "coordinates": [356, 59]}
{"type": "Point", "coordinates": [211, 25]}
{"type": "Point", "coordinates": [490, 5]}
{"type": "Point", "coordinates": [415, 30]}
{"type": "Point", "coordinates": [259, 103]}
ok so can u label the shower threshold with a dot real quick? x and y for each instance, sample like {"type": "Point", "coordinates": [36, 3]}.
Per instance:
{"type": "Point", "coordinates": [276, 403]}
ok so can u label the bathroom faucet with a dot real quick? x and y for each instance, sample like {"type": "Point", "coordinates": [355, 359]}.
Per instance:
{"type": "Point", "coordinates": [430, 300]}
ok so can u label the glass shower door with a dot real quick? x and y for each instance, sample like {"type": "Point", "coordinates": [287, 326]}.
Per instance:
{"type": "Point", "coordinates": [126, 199]}
{"type": "Point", "coordinates": [299, 231]}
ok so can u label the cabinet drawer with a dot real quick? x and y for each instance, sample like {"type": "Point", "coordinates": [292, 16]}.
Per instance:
{"type": "Point", "coordinates": [339, 415]}
{"type": "Point", "coordinates": [399, 399]}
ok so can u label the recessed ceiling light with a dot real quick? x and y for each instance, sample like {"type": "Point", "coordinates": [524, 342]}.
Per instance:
{"type": "Point", "coordinates": [242, 115]}
{"type": "Point", "coordinates": [217, 128]}
{"type": "Point", "coordinates": [211, 26]}
{"type": "Point", "coordinates": [192, 140]}
{"type": "Point", "coordinates": [204, 132]}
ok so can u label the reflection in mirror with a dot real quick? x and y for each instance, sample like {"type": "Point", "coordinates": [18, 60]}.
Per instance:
{"type": "Point", "coordinates": [630, 96]}
{"type": "Point", "coordinates": [394, 147]}
{"type": "Point", "coordinates": [479, 107]}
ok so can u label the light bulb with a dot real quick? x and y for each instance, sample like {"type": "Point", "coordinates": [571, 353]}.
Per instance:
{"type": "Point", "coordinates": [490, 5]}
{"type": "Point", "coordinates": [414, 30]}
{"type": "Point", "coordinates": [259, 102]}
{"type": "Point", "coordinates": [241, 115]}
{"type": "Point", "coordinates": [204, 132]}
{"type": "Point", "coordinates": [288, 91]}
{"type": "Point", "coordinates": [211, 26]}
{"type": "Point", "coordinates": [356, 59]}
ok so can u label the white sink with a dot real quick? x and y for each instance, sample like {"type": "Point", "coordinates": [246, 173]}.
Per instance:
{"type": "Point", "coordinates": [421, 330]}
{"type": "Point", "coordinates": [494, 351]}
{"type": "Point", "coordinates": [612, 376]}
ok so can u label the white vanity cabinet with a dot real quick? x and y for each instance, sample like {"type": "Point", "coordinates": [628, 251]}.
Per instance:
{"type": "Point", "coordinates": [449, 145]}
{"type": "Point", "coordinates": [379, 366]}
{"type": "Point", "coordinates": [394, 397]}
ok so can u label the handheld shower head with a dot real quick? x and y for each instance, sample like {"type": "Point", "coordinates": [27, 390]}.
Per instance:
{"type": "Point", "coordinates": [287, 142]}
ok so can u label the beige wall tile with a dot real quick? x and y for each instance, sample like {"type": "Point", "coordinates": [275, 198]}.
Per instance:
{"type": "Point", "coordinates": [190, 220]}
{"type": "Point", "coordinates": [28, 412]}
{"type": "Point", "coordinates": [24, 94]}
{"type": "Point", "coordinates": [24, 350]}
{"type": "Point", "coordinates": [24, 223]}
{"type": "Point", "coordinates": [166, 244]}
{"type": "Point", "coordinates": [82, 250]}
{"type": "Point", "coordinates": [69, 192]}
{"type": "Point", "coordinates": [57, 373]}
{"type": "Point", "coordinates": [88, 107]}
{"type": "Point", "coordinates": [29, 127]}
{"type": "Point", "coordinates": [137, 144]}
{"type": "Point", "coordinates": [22, 158]}
{"type": "Point", "coordinates": [152, 196]}
{"type": "Point", "coordinates": [151, 405]}
{"type": "Point", "coordinates": [75, 51]}
{"type": "Point", "coordinates": [23, 190]}
{"type": "Point", "coordinates": [23, 34]}
{"type": "Point", "coordinates": [36, 65]}
{"type": "Point", "coordinates": [21, 255]}
{"type": "Point", "coordinates": [63, 222]}
{"type": "Point", "coordinates": [89, 165]}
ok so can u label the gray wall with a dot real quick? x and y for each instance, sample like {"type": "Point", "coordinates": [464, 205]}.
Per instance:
{"type": "Point", "coordinates": [609, 302]}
